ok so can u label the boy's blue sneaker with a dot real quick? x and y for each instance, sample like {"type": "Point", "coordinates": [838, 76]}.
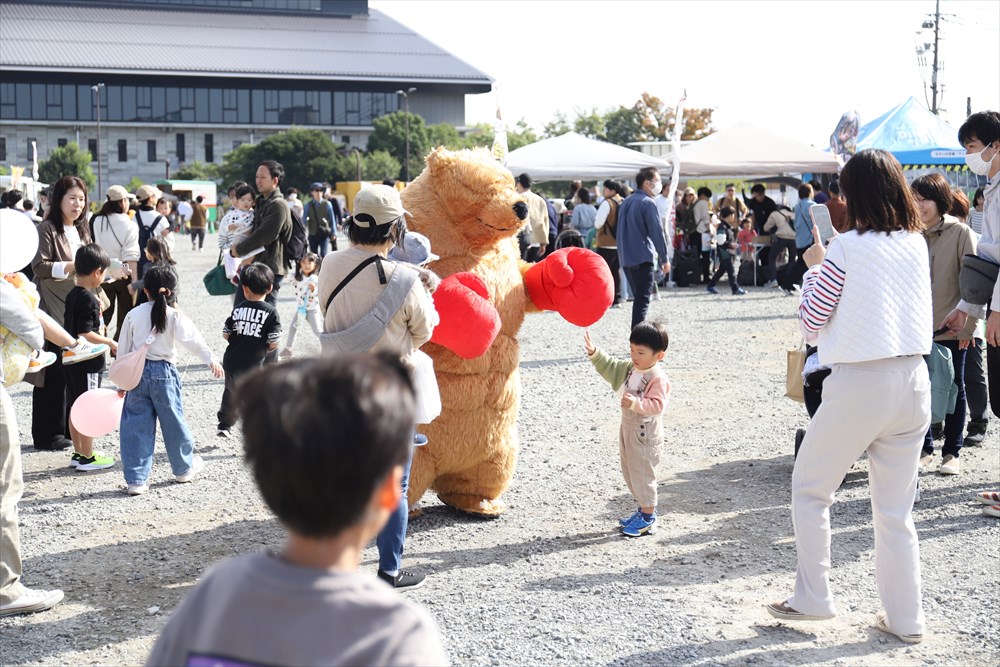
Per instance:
{"type": "Point", "coordinates": [639, 526]}
{"type": "Point", "coordinates": [629, 519]}
{"type": "Point", "coordinates": [711, 290]}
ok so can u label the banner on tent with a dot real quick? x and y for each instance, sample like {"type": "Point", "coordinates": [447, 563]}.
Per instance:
{"type": "Point", "coordinates": [939, 167]}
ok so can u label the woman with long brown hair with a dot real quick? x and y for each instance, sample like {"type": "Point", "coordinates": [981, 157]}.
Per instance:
{"type": "Point", "coordinates": [867, 298]}
{"type": "Point", "coordinates": [60, 235]}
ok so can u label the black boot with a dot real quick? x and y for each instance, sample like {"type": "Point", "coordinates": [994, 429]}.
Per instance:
{"type": "Point", "coordinates": [976, 433]}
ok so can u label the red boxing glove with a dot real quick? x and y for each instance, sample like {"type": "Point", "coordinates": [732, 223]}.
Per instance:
{"type": "Point", "coordinates": [574, 282]}
{"type": "Point", "coordinates": [469, 322]}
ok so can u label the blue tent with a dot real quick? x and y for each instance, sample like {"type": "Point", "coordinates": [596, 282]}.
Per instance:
{"type": "Point", "coordinates": [915, 136]}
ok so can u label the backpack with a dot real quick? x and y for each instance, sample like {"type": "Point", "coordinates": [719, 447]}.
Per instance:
{"type": "Point", "coordinates": [145, 233]}
{"type": "Point", "coordinates": [297, 243]}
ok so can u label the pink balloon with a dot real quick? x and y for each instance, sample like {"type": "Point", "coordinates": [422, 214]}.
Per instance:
{"type": "Point", "coordinates": [97, 412]}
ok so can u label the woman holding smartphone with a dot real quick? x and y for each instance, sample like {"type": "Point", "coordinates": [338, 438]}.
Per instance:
{"type": "Point", "coordinates": [867, 299]}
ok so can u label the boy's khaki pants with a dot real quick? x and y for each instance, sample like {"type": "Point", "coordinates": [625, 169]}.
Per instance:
{"type": "Point", "coordinates": [11, 486]}
{"type": "Point", "coordinates": [640, 439]}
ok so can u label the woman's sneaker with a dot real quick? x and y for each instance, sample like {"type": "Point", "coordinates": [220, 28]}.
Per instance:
{"type": "Point", "coordinates": [31, 601]}
{"type": "Point", "coordinates": [39, 360]}
{"type": "Point", "coordinates": [197, 465]}
{"type": "Point", "coordinates": [403, 580]}
{"type": "Point", "coordinates": [74, 461]}
{"type": "Point", "coordinates": [96, 461]}
{"type": "Point", "coordinates": [82, 351]}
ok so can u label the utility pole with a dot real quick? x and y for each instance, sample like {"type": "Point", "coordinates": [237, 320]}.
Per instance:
{"type": "Point", "coordinates": [934, 67]}
{"type": "Point", "coordinates": [968, 107]}
{"type": "Point", "coordinates": [406, 116]}
{"type": "Point", "coordinates": [100, 169]}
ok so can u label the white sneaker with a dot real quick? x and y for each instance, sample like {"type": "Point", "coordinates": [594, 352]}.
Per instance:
{"type": "Point", "coordinates": [197, 465]}
{"type": "Point", "coordinates": [82, 351]}
{"type": "Point", "coordinates": [950, 466]}
{"type": "Point", "coordinates": [771, 283]}
{"type": "Point", "coordinates": [32, 601]}
{"type": "Point", "coordinates": [137, 489]}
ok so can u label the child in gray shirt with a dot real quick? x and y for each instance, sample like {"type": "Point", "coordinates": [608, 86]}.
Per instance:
{"type": "Point", "coordinates": [328, 461]}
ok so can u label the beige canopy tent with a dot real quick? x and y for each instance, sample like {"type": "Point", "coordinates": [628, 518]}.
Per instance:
{"type": "Point", "coordinates": [573, 156]}
{"type": "Point", "coordinates": [747, 150]}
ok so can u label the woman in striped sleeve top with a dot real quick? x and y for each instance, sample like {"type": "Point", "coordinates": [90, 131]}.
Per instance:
{"type": "Point", "coordinates": [867, 300]}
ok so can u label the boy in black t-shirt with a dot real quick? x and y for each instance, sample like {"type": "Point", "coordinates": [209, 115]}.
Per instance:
{"type": "Point", "coordinates": [82, 319]}
{"type": "Point", "coordinates": [252, 330]}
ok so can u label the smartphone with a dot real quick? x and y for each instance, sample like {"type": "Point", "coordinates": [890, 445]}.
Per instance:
{"type": "Point", "coordinates": [820, 215]}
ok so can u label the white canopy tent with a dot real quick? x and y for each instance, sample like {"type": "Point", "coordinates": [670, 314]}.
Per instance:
{"type": "Point", "coordinates": [747, 150]}
{"type": "Point", "coordinates": [572, 156]}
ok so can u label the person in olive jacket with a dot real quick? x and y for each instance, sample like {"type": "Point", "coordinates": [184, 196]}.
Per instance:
{"type": "Point", "coordinates": [272, 224]}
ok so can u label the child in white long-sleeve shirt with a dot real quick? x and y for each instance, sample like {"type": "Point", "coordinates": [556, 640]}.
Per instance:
{"type": "Point", "coordinates": [643, 388]}
{"type": "Point", "coordinates": [234, 227]}
{"type": "Point", "coordinates": [306, 303]}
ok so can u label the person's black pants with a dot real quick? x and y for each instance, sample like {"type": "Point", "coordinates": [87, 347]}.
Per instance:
{"type": "Point", "coordinates": [48, 404]}
{"type": "Point", "coordinates": [227, 410]}
{"type": "Point", "coordinates": [121, 302]}
{"type": "Point", "coordinates": [976, 389]}
{"type": "Point", "coordinates": [610, 255]}
{"type": "Point", "coordinates": [706, 266]}
{"type": "Point", "coordinates": [794, 271]}
{"type": "Point", "coordinates": [271, 298]}
{"type": "Point", "coordinates": [640, 281]}
{"type": "Point", "coordinates": [197, 234]}
{"type": "Point", "coordinates": [954, 423]}
{"type": "Point", "coordinates": [774, 252]}
{"type": "Point", "coordinates": [533, 254]}
{"type": "Point", "coordinates": [725, 266]}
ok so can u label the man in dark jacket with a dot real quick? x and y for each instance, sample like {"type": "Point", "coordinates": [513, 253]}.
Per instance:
{"type": "Point", "coordinates": [760, 205]}
{"type": "Point", "coordinates": [272, 224]}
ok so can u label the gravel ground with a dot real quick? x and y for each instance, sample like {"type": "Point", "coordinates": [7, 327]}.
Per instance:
{"type": "Point", "coordinates": [551, 582]}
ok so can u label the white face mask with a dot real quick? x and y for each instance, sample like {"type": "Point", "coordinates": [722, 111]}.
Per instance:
{"type": "Point", "coordinates": [655, 187]}
{"type": "Point", "coordinates": [978, 165]}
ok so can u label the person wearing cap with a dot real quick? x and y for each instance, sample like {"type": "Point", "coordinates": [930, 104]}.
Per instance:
{"type": "Point", "coordinates": [376, 226]}
{"type": "Point", "coordinates": [272, 223]}
{"type": "Point", "coordinates": [320, 223]}
{"type": "Point", "coordinates": [114, 231]}
{"type": "Point", "coordinates": [149, 223]}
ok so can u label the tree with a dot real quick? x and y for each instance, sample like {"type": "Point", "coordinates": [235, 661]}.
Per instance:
{"type": "Point", "coordinates": [622, 126]}
{"type": "Point", "coordinates": [521, 135]}
{"type": "Point", "coordinates": [390, 136]}
{"type": "Point", "coordinates": [379, 165]}
{"type": "Point", "coordinates": [134, 184]}
{"type": "Point", "coordinates": [197, 171]}
{"type": "Point", "coordinates": [308, 156]}
{"type": "Point", "coordinates": [589, 124]}
{"type": "Point", "coordinates": [557, 126]}
{"type": "Point", "coordinates": [67, 160]}
{"type": "Point", "coordinates": [443, 134]}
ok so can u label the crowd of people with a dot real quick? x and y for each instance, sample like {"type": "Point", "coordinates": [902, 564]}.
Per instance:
{"type": "Point", "coordinates": [874, 299]}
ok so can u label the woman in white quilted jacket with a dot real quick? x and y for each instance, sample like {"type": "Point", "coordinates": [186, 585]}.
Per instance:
{"type": "Point", "coordinates": [867, 299]}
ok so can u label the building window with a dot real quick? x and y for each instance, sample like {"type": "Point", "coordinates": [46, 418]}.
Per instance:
{"type": "Point", "coordinates": [123, 150]}
{"type": "Point", "coordinates": [28, 153]}
{"type": "Point", "coordinates": [3, 149]}
{"type": "Point", "coordinates": [61, 143]}
{"type": "Point", "coordinates": [346, 140]}
{"type": "Point", "coordinates": [92, 148]}
{"type": "Point", "coordinates": [209, 148]}
{"type": "Point", "coordinates": [151, 150]}
{"type": "Point", "coordinates": [181, 154]}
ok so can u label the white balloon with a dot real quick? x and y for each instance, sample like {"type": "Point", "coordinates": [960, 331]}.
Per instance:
{"type": "Point", "coordinates": [18, 240]}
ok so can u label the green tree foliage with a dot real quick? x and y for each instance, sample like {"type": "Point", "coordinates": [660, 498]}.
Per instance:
{"type": "Point", "coordinates": [67, 160]}
{"type": "Point", "coordinates": [380, 165]}
{"type": "Point", "coordinates": [648, 119]}
{"type": "Point", "coordinates": [197, 171]}
{"type": "Point", "coordinates": [134, 184]}
{"type": "Point", "coordinates": [520, 135]}
{"type": "Point", "coordinates": [589, 124]}
{"type": "Point", "coordinates": [390, 136]}
{"type": "Point", "coordinates": [443, 134]}
{"type": "Point", "coordinates": [308, 156]}
{"type": "Point", "coordinates": [557, 126]}
{"type": "Point", "coordinates": [621, 126]}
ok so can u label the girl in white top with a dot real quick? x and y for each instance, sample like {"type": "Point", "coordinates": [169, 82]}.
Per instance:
{"type": "Point", "coordinates": [867, 298]}
{"type": "Point", "coordinates": [306, 302]}
{"type": "Point", "coordinates": [158, 395]}
{"type": "Point", "coordinates": [976, 212]}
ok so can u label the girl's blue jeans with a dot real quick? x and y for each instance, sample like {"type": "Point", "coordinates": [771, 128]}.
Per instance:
{"type": "Point", "coordinates": [393, 534]}
{"type": "Point", "coordinates": [158, 396]}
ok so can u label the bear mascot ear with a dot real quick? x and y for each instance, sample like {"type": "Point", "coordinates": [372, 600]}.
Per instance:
{"type": "Point", "coordinates": [574, 282]}
{"type": "Point", "coordinates": [469, 322]}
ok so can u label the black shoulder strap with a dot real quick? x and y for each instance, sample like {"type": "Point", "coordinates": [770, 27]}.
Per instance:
{"type": "Point", "coordinates": [374, 259]}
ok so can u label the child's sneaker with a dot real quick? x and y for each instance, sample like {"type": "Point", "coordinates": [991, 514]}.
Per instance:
{"type": "Point", "coordinates": [639, 526]}
{"type": "Point", "coordinates": [286, 354]}
{"type": "Point", "coordinates": [224, 431]}
{"type": "Point", "coordinates": [137, 489]}
{"type": "Point", "coordinates": [629, 519]}
{"type": "Point", "coordinates": [74, 461]}
{"type": "Point", "coordinates": [82, 351]}
{"type": "Point", "coordinates": [39, 360]}
{"type": "Point", "coordinates": [96, 461]}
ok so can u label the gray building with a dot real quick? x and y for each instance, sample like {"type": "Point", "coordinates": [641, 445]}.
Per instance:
{"type": "Point", "coordinates": [186, 80]}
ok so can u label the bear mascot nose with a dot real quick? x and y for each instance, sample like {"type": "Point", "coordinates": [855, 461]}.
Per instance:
{"type": "Point", "coordinates": [521, 210]}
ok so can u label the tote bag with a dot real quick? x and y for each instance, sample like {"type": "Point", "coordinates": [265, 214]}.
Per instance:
{"type": "Point", "coordinates": [795, 361]}
{"type": "Point", "coordinates": [126, 370]}
{"type": "Point", "coordinates": [216, 281]}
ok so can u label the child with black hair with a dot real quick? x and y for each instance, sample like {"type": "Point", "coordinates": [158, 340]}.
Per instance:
{"type": "Point", "coordinates": [306, 303]}
{"type": "Point", "coordinates": [343, 428]}
{"type": "Point", "coordinates": [725, 246]}
{"type": "Point", "coordinates": [643, 389]}
{"type": "Point", "coordinates": [158, 396]}
{"type": "Point", "coordinates": [235, 226]}
{"type": "Point", "coordinates": [82, 319]}
{"type": "Point", "coordinates": [253, 330]}
{"type": "Point", "coordinates": [157, 253]}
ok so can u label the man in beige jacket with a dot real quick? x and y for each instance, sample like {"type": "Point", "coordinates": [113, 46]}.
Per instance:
{"type": "Point", "coordinates": [537, 225]}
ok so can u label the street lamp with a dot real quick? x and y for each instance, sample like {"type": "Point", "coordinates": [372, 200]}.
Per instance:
{"type": "Point", "coordinates": [406, 116]}
{"type": "Point", "coordinates": [97, 108]}
{"type": "Point", "coordinates": [357, 158]}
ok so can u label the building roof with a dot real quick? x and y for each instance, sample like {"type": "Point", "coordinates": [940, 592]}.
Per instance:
{"type": "Point", "coordinates": [365, 48]}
